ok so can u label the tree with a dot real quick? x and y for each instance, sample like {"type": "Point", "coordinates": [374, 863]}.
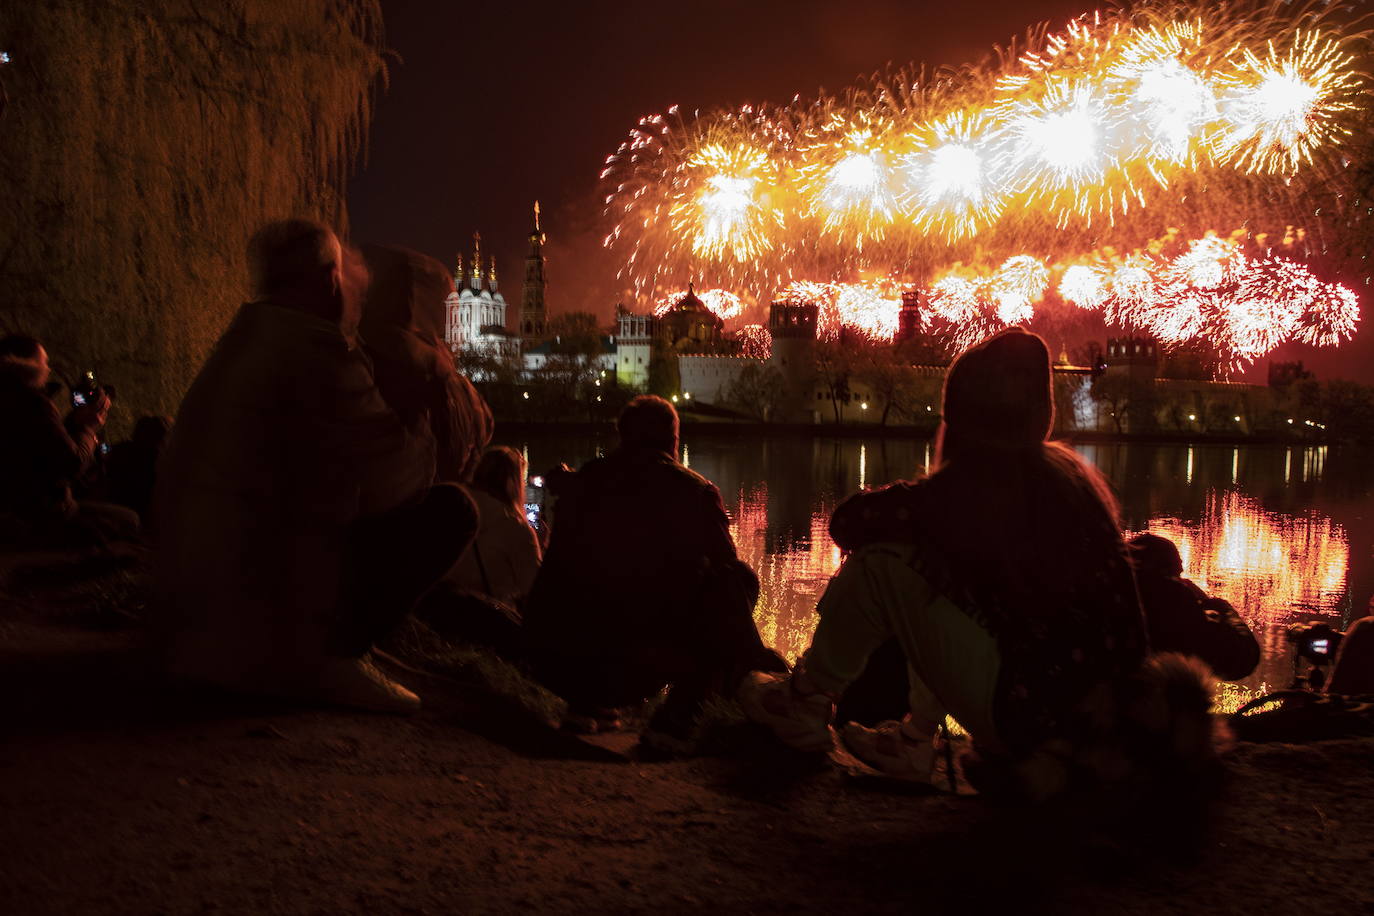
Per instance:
{"type": "Point", "coordinates": [576, 333]}
{"type": "Point", "coordinates": [151, 140]}
{"type": "Point", "coordinates": [880, 368]}
{"type": "Point", "coordinates": [1113, 391]}
{"type": "Point", "coordinates": [834, 365]}
{"type": "Point", "coordinates": [757, 391]}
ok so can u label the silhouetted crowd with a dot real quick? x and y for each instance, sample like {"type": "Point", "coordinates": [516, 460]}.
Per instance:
{"type": "Point", "coordinates": [329, 473]}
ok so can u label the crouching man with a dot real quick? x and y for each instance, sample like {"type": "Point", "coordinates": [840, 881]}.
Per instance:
{"type": "Point", "coordinates": [298, 523]}
{"type": "Point", "coordinates": [641, 587]}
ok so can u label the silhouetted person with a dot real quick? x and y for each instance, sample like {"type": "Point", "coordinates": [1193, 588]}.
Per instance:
{"type": "Point", "coordinates": [641, 586]}
{"type": "Point", "coordinates": [1004, 579]}
{"type": "Point", "coordinates": [298, 520]}
{"type": "Point", "coordinates": [1181, 617]}
{"type": "Point", "coordinates": [402, 329]}
{"type": "Point", "coordinates": [42, 458]}
{"type": "Point", "coordinates": [503, 560]}
{"type": "Point", "coordinates": [131, 467]}
{"type": "Point", "coordinates": [478, 600]}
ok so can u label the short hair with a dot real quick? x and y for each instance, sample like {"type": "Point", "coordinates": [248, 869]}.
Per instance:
{"type": "Point", "coordinates": [19, 346]}
{"type": "Point", "coordinates": [648, 420]}
{"type": "Point", "coordinates": [283, 254]}
{"type": "Point", "coordinates": [500, 473]}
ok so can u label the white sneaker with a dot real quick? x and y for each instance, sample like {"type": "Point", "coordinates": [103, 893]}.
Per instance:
{"type": "Point", "coordinates": [357, 683]}
{"type": "Point", "coordinates": [893, 749]}
{"type": "Point", "coordinates": [800, 720]}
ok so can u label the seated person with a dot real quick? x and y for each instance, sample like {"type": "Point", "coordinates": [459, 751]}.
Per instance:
{"type": "Point", "coordinates": [1002, 576]}
{"type": "Point", "coordinates": [478, 600]}
{"type": "Point", "coordinates": [641, 586]}
{"type": "Point", "coordinates": [1180, 617]}
{"type": "Point", "coordinates": [42, 458]}
{"type": "Point", "coordinates": [402, 329]}
{"type": "Point", "coordinates": [131, 469]}
{"type": "Point", "coordinates": [1353, 673]}
{"type": "Point", "coordinates": [502, 562]}
{"type": "Point", "coordinates": [298, 519]}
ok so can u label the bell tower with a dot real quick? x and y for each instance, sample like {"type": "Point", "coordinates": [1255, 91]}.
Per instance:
{"type": "Point", "coordinates": [533, 313]}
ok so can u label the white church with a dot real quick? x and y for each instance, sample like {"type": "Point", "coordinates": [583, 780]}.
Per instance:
{"type": "Point", "coordinates": [476, 310]}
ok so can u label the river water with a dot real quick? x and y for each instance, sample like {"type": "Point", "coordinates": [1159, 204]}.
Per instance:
{"type": "Point", "coordinates": [1286, 534]}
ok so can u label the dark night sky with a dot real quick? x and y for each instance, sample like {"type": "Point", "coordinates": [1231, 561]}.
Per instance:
{"type": "Point", "coordinates": [496, 104]}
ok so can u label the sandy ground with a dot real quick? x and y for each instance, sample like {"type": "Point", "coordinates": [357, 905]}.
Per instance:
{"type": "Point", "coordinates": [118, 795]}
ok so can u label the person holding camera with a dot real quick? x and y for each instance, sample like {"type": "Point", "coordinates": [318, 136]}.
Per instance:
{"type": "Point", "coordinates": [42, 457]}
{"type": "Point", "coordinates": [1181, 617]}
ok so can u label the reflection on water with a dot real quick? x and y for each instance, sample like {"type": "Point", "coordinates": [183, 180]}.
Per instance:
{"type": "Point", "coordinates": [1284, 534]}
{"type": "Point", "coordinates": [1276, 568]}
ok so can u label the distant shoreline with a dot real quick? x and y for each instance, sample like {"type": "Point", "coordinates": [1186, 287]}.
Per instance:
{"type": "Point", "coordinates": [869, 431]}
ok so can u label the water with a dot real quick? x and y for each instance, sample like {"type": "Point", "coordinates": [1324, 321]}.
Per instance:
{"type": "Point", "coordinates": [1284, 533]}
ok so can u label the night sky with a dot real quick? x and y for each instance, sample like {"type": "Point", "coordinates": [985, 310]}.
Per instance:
{"type": "Point", "coordinates": [494, 105]}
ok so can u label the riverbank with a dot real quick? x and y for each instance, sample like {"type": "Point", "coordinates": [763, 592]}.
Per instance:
{"type": "Point", "coordinates": [121, 796]}
{"type": "Point", "coordinates": [714, 426]}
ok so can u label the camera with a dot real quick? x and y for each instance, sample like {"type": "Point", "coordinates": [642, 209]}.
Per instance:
{"type": "Point", "coordinates": [1317, 644]}
{"type": "Point", "coordinates": [87, 391]}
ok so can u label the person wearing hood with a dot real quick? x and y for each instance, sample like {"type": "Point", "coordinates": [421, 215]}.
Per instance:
{"type": "Point", "coordinates": [1002, 576]}
{"type": "Point", "coordinates": [299, 518]}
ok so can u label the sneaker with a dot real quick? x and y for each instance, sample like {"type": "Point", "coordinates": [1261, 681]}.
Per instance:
{"type": "Point", "coordinates": [357, 683]}
{"type": "Point", "coordinates": [893, 749]}
{"type": "Point", "coordinates": [800, 720]}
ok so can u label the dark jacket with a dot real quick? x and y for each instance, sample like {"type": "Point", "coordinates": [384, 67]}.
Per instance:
{"type": "Point", "coordinates": [39, 458]}
{"type": "Point", "coordinates": [1182, 618]}
{"type": "Point", "coordinates": [639, 539]}
{"type": "Point", "coordinates": [281, 444]}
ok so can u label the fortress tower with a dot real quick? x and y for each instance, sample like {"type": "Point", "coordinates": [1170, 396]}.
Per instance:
{"type": "Point", "coordinates": [792, 326]}
{"type": "Point", "coordinates": [533, 312]}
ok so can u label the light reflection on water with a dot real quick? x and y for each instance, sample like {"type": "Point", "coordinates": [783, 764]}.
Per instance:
{"type": "Point", "coordinates": [1284, 534]}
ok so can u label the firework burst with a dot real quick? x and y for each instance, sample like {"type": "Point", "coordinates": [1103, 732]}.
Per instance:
{"type": "Point", "coordinates": [1281, 108]}
{"type": "Point", "coordinates": [1095, 136]}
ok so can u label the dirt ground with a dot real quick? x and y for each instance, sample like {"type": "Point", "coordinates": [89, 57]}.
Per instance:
{"type": "Point", "coordinates": [118, 795]}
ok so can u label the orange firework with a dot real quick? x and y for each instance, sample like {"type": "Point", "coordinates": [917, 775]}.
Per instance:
{"type": "Point", "coordinates": [1097, 135]}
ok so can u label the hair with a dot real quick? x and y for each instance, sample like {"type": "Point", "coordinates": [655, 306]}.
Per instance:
{"type": "Point", "coordinates": [290, 253]}
{"type": "Point", "coordinates": [19, 347]}
{"type": "Point", "coordinates": [648, 420]}
{"type": "Point", "coordinates": [1021, 524]}
{"type": "Point", "coordinates": [501, 475]}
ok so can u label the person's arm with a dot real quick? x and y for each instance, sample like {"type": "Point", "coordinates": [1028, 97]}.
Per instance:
{"type": "Point", "coordinates": [717, 544]}
{"type": "Point", "coordinates": [1231, 649]}
{"type": "Point", "coordinates": [65, 450]}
